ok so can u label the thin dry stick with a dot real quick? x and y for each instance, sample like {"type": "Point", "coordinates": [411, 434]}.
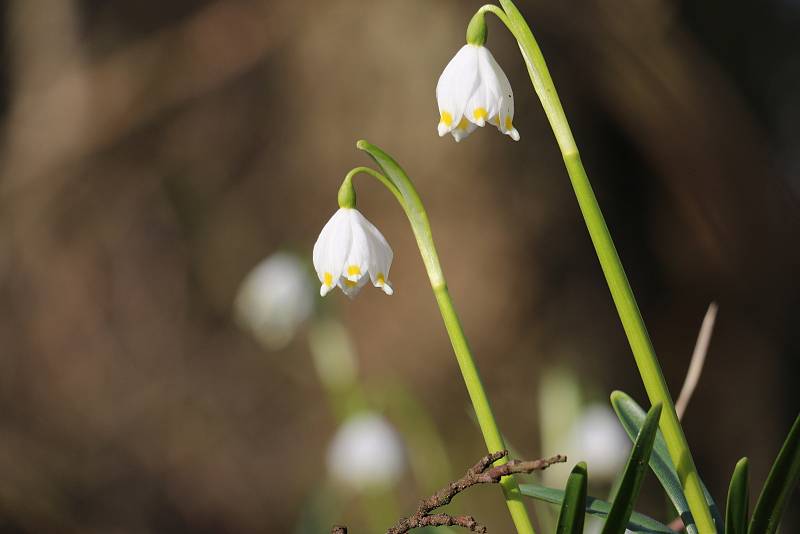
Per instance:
{"type": "Point", "coordinates": [480, 473]}
{"type": "Point", "coordinates": [697, 361]}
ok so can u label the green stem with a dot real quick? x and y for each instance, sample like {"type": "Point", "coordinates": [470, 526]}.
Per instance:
{"type": "Point", "coordinates": [396, 180]}
{"type": "Point", "coordinates": [621, 292]}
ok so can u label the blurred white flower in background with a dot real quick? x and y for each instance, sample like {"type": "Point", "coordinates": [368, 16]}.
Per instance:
{"type": "Point", "coordinates": [274, 299]}
{"type": "Point", "coordinates": [597, 437]}
{"type": "Point", "coordinates": [366, 452]}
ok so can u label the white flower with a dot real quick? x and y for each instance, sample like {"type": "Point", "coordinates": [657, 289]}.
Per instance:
{"type": "Point", "coordinates": [274, 299]}
{"type": "Point", "coordinates": [598, 438]}
{"type": "Point", "coordinates": [472, 91]}
{"type": "Point", "coordinates": [366, 452]}
{"type": "Point", "coordinates": [349, 251]}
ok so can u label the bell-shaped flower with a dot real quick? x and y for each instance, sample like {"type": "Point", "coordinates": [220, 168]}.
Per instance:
{"type": "Point", "coordinates": [472, 91]}
{"type": "Point", "coordinates": [349, 252]}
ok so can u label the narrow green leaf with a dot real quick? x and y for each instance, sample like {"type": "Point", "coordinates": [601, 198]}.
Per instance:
{"type": "Point", "coordinates": [570, 519]}
{"type": "Point", "coordinates": [631, 482]}
{"type": "Point", "coordinates": [780, 483]}
{"type": "Point", "coordinates": [632, 416]}
{"type": "Point", "coordinates": [736, 506]}
{"type": "Point", "coordinates": [597, 507]}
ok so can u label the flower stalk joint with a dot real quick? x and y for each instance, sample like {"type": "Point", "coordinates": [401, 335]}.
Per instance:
{"type": "Point", "coordinates": [347, 193]}
{"type": "Point", "coordinates": [477, 30]}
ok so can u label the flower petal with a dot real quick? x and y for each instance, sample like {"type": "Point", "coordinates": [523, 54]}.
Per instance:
{"type": "Point", "coordinates": [485, 101]}
{"type": "Point", "coordinates": [505, 101]}
{"type": "Point", "coordinates": [380, 261]}
{"type": "Point", "coordinates": [351, 288]}
{"type": "Point", "coordinates": [455, 87]}
{"type": "Point", "coordinates": [357, 263]}
{"type": "Point", "coordinates": [463, 129]}
{"type": "Point", "coordinates": [331, 250]}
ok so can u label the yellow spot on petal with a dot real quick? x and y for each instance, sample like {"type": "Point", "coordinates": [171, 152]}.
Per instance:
{"type": "Point", "coordinates": [350, 283]}
{"type": "Point", "coordinates": [327, 279]}
{"type": "Point", "coordinates": [463, 123]}
{"type": "Point", "coordinates": [447, 119]}
{"type": "Point", "coordinates": [353, 270]}
{"type": "Point", "coordinates": [480, 114]}
{"type": "Point", "coordinates": [495, 120]}
{"type": "Point", "coordinates": [508, 123]}
{"type": "Point", "coordinates": [380, 280]}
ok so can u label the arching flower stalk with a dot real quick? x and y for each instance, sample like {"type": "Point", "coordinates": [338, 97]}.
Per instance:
{"type": "Point", "coordinates": [350, 251]}
{"type": "Point", "coordinates": [465, 73]}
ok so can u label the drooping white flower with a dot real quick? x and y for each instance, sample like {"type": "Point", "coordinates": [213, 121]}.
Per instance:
{"type": "Point", "coordinates": [472, 91]}
{"type": "Point", "coordinates": [350, 251]}
{"type": "Point", "coordinates": [598, 438]}
{"type": "Point", "coordinates": [274, 299]}
{"type": "Point", "coordinates": [366, 452]}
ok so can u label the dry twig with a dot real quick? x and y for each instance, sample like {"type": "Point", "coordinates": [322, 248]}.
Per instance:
{"type": "Point", "coordinates": [697, 361]}
{"type": "Point", "coordinates": [481, 473]}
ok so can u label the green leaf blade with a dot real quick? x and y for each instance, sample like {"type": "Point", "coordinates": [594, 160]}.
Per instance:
{"type": "Point", "coordinates": [780, 483]}
{"type": "Point", "coordinates": [633, 475]}
{"type": "Point", "coordinates": [632, 416]}
{"type": "Point", "coordinates": [638, 523]}
{"type": "Point", "coordinates": [572, 514]}
{"type": "Point", "coordinates": [737, 503]}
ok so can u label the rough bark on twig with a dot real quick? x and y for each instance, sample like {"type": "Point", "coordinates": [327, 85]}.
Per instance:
{"type": "Point", "coordinates": [481, 473]}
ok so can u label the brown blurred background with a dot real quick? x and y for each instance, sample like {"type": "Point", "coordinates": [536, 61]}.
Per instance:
{"type": "Point", "coordinates": [154, 152]}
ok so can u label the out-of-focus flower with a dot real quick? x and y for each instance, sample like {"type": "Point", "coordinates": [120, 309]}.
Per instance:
{"type": "Point", "coordinates": [350, 251]}
{"type": "Point", "coordinates": [274, 299]}
{"type": "Point", "coordinates": [366, 452]}
{"type": "Point", "coordinates": [597, 437]}
{"type": "Point", "coordinates": [472, 91]}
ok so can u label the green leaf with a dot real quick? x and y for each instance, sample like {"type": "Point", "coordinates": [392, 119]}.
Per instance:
{"type": "Point", "coordinates": [570, 519]}
{"type": "Point", "coordinates": [632, 416]}
{"type": "Point", "coordinates": [633, 475]}
{"type": "Point", "coordinates": [736, 506]}
{"type": "Point", "coordinates": [597, 507]}
{"type": "Point", "coordinates": [780, 483]}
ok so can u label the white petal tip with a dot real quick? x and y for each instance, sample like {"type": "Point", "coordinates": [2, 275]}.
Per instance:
{"type": "Point", "coordinates": [324, 290]}
{"type": "Point", "coordinates": [443, 129]}
{"type": "Point", "coordinates": [387, 289]}
{"type": "Point", "coordinates": [514, 134]}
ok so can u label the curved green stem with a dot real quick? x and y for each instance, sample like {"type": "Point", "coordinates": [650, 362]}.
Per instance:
{"type": "Point", "coordinates": [499, 13]}
{"type": "Point", "coordinates": [621, 292]}
{"type": "Point", "coordinates": [347, 183]}
{"type": "Point", "coordinates": [401, 187]}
